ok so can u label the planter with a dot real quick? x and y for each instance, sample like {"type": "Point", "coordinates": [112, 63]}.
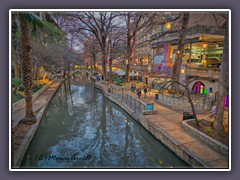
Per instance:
{"type": "Point", "coordinates": [205, 138]}
{"type": "Point", "coordinates": [20, 104]}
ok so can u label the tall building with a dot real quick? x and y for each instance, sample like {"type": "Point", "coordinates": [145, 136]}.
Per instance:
{"type": "Point", "coordinates": [203, 50]}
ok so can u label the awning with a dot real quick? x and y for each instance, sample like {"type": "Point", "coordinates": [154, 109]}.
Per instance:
{"type": "Point", "coordinates": [122, 73]}
{"type": "Point", "coordinates": [133, 74]}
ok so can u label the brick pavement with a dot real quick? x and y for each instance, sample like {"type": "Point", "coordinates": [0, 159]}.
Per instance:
{"type": "Point", "coordinates": [167, 127]}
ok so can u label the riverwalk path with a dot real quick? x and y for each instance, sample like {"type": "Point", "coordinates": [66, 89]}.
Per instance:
{"type": "Point", "coordinates": [166, 126]}
{"type": "Point", "coordinates": [41, 101]}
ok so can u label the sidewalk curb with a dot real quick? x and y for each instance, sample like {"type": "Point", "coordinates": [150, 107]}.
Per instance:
{"type": "Point", "coordinates": [27, 140]}
{"type": "Point", "coordinates": [21, 103]}
{"type": "Point", "coordinates": [205, 138]}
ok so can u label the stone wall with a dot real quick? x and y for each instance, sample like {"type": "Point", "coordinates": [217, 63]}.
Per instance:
{"type": "Point", "coordinates": [201, 104]}
{"type": "Point", "coordinates": [205, 138]}
{"type": "Point", "coordinates": [21, 103]}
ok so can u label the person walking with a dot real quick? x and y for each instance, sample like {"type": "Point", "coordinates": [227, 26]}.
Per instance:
{"type": "Point", "coordinates": [134, 86]}
{"type": "Point", "coordinates": [145, 91]}
{"type": "Point", "coordinates": [139, 92]}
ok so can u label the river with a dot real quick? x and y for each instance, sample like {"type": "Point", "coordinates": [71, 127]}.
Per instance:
{"type": "Point", "coordinates": [82, 129]}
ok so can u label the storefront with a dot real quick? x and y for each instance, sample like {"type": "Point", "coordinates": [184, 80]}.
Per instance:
{"type": "Point", "coordinates": [199, 88]}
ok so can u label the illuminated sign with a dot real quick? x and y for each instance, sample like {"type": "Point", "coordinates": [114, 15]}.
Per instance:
{"type": "Point", "coordinates": [149, 106]}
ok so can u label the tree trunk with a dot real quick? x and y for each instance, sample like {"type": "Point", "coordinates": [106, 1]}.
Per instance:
{"type": "Point", "coordinates": [16, 76]}
{"type": "Point", "coordinates": [127, 72]}
{"type": "Point", "coordinates": [110, 64]}
{"type": "Point", "coordinates": [14, 47]}
{"type": "Point", "coordinates": [26, 70]}
{"type": "Point", "coordinates": [180, 49]}
{"type": "Point", "coordinates": [104, 65]}
{"type": "Point", "coordinates": [37, 73]}
{"type": "Point", "coordinates": [16, 70]}
{"type": "Point", "coordinates": [64, 73]}
{"type": "Point", "coordinates": [223, 83]}
{"type": "Point", "coordinates": [192, 106]}
{"type": "Point", "coordinates": [68, 76]}
{"type": "Point", "coordinates": [94, 63]}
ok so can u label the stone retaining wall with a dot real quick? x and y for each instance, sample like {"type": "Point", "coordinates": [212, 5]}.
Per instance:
{"type": "Point", "coordinates": [201, 104]}
{"type": "Point", "coordinates": [205, 138]}
{"type": "Point", "coordinates": [21, 103]}
{"type": "Point", "coordinates": [27, 140]}
{"type": "Point", "coordinates": [160, 135]}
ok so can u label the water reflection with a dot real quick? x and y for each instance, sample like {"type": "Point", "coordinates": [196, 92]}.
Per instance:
{"type": "Point", "coordinates": [82, 129]}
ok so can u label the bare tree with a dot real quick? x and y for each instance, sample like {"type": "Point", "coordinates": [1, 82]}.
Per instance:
{"type": "Point", "coordinates": [99, 24]}
{"type": "Point", "coordinates": [223, 82]}
{"type": "Point", "coordinates": [180, 48]}
{"type": "Point", "coordinates": [90, 49]}
{"type": "Point", "coordinates": [115, 37]}
{"type": "Point", "coordinates": [135, 22]}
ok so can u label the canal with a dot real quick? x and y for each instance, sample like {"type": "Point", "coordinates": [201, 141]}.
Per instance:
{"type": "Point", "coordinates": [82, 129]}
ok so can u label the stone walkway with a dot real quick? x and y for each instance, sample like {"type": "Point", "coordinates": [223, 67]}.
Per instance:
{"type": "Point", "coordinates": [41, 101]}
{"type": "Point", "coordinates": [167, 127]}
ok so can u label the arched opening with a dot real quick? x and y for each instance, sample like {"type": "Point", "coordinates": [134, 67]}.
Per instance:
{"type": "Point", "coordinates": [199, 88]}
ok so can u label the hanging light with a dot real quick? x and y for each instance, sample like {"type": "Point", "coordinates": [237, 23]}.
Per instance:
{"type": "Point", "coordinates": [204, 45]}
{"type": "Point", "coordinates": [168, 25]}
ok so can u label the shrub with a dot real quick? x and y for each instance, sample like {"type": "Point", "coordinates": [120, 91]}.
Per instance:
{"type": "Point", "coordinates": [207, 131]}
{"type": "Point", "coordinates": [220, 133]}
{"type": "Point", "coordinates": [21, 87]}
{"type": "Point", "coordinates": [16, 81]}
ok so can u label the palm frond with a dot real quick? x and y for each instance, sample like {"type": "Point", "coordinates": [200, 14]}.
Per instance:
{"type": "Point", "coordinates": [52, 28]}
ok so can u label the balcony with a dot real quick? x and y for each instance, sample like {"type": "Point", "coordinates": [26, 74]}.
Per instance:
{"type": "Point", "coordinates": [210, 73]}
{"type": "Point", "coordinates": [195, 30]}
{"type": "Point", "coordinates": [139, 67]}
{"type": "Point", "coordinates": [133, 67]}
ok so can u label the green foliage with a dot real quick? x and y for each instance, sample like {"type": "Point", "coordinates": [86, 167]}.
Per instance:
{"type": "Point", "coordinates": [16, 81]}
{"type": "Point", "coordinates": [36, 22]}
{"type": "Point", "coordinates": [115, 79]}
{"type": "Point", "coordinates": [36, 87]}
{"type": "Point", "coordinates": [119, 81]}
{"type": "Point", "coordinates": [220, 133]}
{"type": "Point", "coordinates": [17, 97]}
{"type": "Point", "coordinates": [52, 28]}
{"type": "Point", "coordinates": [21, 87]}
{"type": "Point", "coordinates": [112, 77]}
{"type": "Point", "coordinates": [207, 131]}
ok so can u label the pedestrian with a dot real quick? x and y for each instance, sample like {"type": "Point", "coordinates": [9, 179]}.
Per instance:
{"type": "Point", "coordinates": [134, 86]}
{"type": "Point", "coordinates": [145, 91]}
{"type": "Point", "coordinates": [109, 87]}
{"type": "Point", "coordinates": [139, 92]}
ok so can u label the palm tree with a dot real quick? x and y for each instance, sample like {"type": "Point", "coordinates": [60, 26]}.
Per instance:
{"type": "Point", "coordinates": [26, 67]}
{"type": "Point", "coordinates": [27, 19]}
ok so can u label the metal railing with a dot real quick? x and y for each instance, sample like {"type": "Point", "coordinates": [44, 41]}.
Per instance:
{"type": "Point", "coordinates": [131, 102]}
